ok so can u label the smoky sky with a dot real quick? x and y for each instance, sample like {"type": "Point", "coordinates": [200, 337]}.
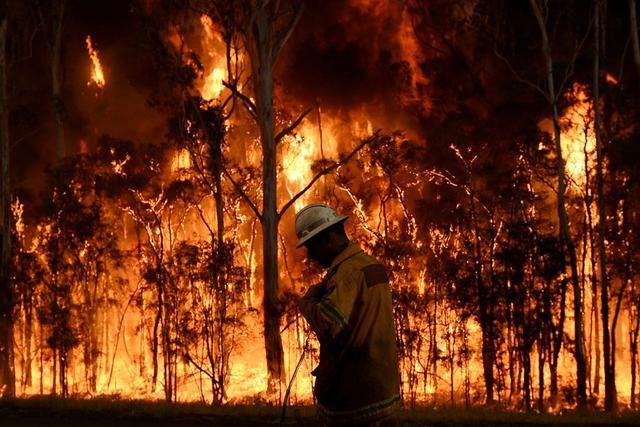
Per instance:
{"type": "Point", "coordinates": [342, 54]}
{"type": "Point", "coordinates": [121, 109]}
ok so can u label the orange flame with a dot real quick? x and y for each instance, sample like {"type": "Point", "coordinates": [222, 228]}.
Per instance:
{"type": "Point", "coordinates": [213, 86]}
{"type": "Point", "coordinates": [97, 74]}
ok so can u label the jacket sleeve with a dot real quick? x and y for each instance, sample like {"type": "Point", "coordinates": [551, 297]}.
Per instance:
{"type": "Point", "coordinates": [328, 312]}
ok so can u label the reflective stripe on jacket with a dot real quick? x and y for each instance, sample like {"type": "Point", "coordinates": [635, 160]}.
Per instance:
{"type": "Point", "coordinates": [352, 314]}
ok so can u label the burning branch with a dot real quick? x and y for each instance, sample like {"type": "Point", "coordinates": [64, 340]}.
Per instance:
{"type": "Point", "coordinates": [248, 103]}
{"type": "Point", "coordinates": [97, 74]}
{"type": "Point", "coordinates": [329, 169]}
{"type": "Point", "coordinates": [242, 193]}
{"type": "Point", "coordinates": [284, 132]}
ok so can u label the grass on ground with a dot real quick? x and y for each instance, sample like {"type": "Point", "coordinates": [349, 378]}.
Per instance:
{"type": "Point", "coordinates": [114, 411]}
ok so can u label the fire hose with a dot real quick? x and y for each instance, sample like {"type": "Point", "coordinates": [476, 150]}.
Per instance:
{"type": "Point", "coordinates": [293, 377]}
{"type": "Point", "coordinates": [295, 371]}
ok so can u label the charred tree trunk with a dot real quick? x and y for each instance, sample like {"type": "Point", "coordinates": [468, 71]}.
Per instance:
{"type": "Point", "coordinates": [54, 372]}
{"type": "Point", "coordinates": [511, 352]}
{"type": "Point", "coordinates": [556, 345]}
{"type": "Point", "coordinates": [484, 307]}
{"type": "Point", "coordinates": [90, 348]}
{"type": "Point", "coordinates": [526, 386]}
{"type": "Point", "coordinates": [634, 331]}
{"type": "Point", "coordinates": [7, 376]}
{"type": "Point", "coordinates": [56, 75]}
{"type": "Point", "coordinates": [565, 230]}
{"type": "Point", "coordinates": [610, 399]}
{"type": "Point", "coordinates": [64, 389]}
{"type": "Point", "coordinates": [633, 27]}
{"type": "Point", "coordinates": [167, 346]}
{"type": "Point", "coordinates": [41, 364]}
{"type": "Point", "coordinates": [27, 378]}
{"type": "Point", "coordinates": [155, 341]}
{"type": "Point", "coordinates": [541, 363]}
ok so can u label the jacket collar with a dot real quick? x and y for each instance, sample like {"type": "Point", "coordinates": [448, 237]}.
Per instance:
{"type": "Point", "coordinates": [348, 252]}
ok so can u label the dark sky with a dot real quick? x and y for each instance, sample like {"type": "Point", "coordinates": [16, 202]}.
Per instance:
{"type": "Point", "coordinates": [338, 55]}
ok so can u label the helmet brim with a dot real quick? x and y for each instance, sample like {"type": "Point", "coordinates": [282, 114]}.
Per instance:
{"type": "Point", "coordinates": [320, 229]}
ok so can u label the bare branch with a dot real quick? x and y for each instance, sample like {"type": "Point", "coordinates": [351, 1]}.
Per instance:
{"type": "Point", "coordinates": [23, 137]}
{"type": "Point", "coordinates": [328, 170]}
{"type": "Point", "coordinates": [242, 193]}
{"type": "Point", "coordinates": [623, 56]}
{"type": "Point", "coordinates": [199, 367]}
{"type": "Point", "coordinates": [517, 75]}
{"type": "Point", "coordinates": [284, 132]}
{"type": "Point", "coordinates": [248, 103]}
{"type": "Point", "coordinates": [571, 66]}
{"type": "Point", "coordinates": [277, 47]}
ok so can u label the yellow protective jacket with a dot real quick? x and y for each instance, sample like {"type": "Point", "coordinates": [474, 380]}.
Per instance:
{"type": "Point", "coordinates": [351, 313]}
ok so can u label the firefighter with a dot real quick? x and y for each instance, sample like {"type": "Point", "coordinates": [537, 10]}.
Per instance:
{"type": "Point", "coordinates": [350, 311]}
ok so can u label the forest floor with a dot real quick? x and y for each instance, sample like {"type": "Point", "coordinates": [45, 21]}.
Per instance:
{"type": "Point", "coordinates": [103, 412]}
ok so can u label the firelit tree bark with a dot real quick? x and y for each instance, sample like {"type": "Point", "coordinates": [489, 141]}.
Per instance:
{"type": "Point", "coordinates": [260, 47]}
{"type": "Point", "coordinates": [565, 230]}
{"type": "Point", "coordinates": [589, 241]}
{"type": "Point", "coordinates": [7, 380]}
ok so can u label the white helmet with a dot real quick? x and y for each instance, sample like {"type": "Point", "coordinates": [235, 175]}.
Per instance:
{"type": "Point", "coordinates": [313, 219]}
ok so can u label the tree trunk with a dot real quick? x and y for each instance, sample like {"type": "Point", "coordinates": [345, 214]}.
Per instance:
{"type": "Point", "coordinates": [54, 373]}
{"type": "Point", "coordinates": [556, 345]}
{"type": "Point", "coordinates": [155, 342]}
{"type": "Point", "coordinates": [56, 76]}
{"type": "Point", "coordinates": [633, 344]}
{"type": "Point", "coordinates": [7, 375]}
{"type": "Point", "coordinates": [610, 399]}
{"type": "Point", "coordinates": [595, 306]}
{"type": "Point", "coordinates": [541, 363]}
{"type": "Point", "coordinates": [526, 386]}
{"type": "Point", "coordinates": [633, 24]}
{"type": "Point", "coordinates": [64, 392]}
{"type": "Point", "coordinates": [261, 61]}
{"type": "Point", "coordinates": [28, 333]}
{"type": "Point", "coordinates": [511, 352]}
{"type": "Point", "coordinates": [565, 231]}
{"type": "Point", "coordinates": [589, 237]}
{"type": "Point", "coordinates": [484, 306]}
{"type": "Point", "coordinates": [41, 351]}
{"type": "Point", "coordinates": [220, 363]}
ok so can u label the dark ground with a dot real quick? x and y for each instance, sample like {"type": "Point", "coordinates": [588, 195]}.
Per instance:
{"type": "Point", "coordinates": [102, 412]}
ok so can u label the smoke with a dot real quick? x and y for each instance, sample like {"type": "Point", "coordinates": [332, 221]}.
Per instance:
{"type": "Point", "coordinates": [352, 58]}
{"type": "Point", "coordinates": [344, 53]}
{"type": "Point", "coordinates": [120, 109]}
